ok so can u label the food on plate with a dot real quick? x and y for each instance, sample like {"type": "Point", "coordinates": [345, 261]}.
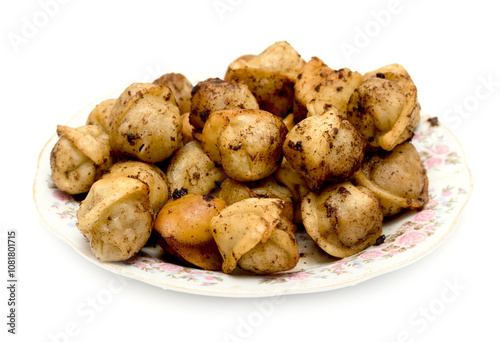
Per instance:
{"type": "Point", "coordinates": [324, 148]}
{"type": "Point", "coordinates": [116, 217]}
{"type": "Point", "coordinates": [79, 157]}
{"type": "Point", "coordinates": [146, 123]}
{"type": "Point", "coordinates": [247, 143]}
{"type": "Point", "coordinates": [270, 76]}
{"type": "Point", "coordinates": [342, 219]}
{"type": "Point", "coordinates": [180, 87]}
{"type": "Point", "coordinates": [397, 178]}
{"type": "Point", "coordinates": [213, 95]}
{"type": "Point", "coordinates": [147, 173]}
{"type": "Point", "coordinates": [246, 224]}
{"type": "Point", "coordinates": [318, 82]}
{"type": "Point", "coordinates": [192, 170]}
{"type": "Point", "coordinates": [232, 191]}
{"type": "Point", "coordinates": [100, 114]}
{"type": "Point", "coordinates": [384, 108]}
{"type": "Point", "coordinates": [228, 171]}
{"type": "Point", "coordinates": [184, 225]}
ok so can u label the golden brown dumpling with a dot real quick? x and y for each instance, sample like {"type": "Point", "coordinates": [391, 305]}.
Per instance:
{"type": "Point", "coordinates": [100, 114]}
{"type": "Point", "coordinates": [278, 254]}
{"type": "Point", "coordinates": [342, 219]}
{"type": "Point", "coordinates": [184, 224]}
{"type": "Point", "coordinates": [150, 174]}
{"type": "Point", "coordinates": [214, 95]}
{"type": "Point", "coordinates": [384, 108]}
{"type": "Point", "coordinates": [240, 227]}
{"type": "Point", "coordinates": [270, 76]}
{"type": "Point", "coordinates": [398, 178]}
{"type": "Point", "coordinates": [146, 123]}
{"type": "Point", "coordinates": [318, 82]}
{"type": "Point", "coordinates": [116, 217]}
{"type": "Point", "coordinates": [79, 157]}
{"type": "Point", "coordinates": [192, 170]}
{"type": "Point", "coordinates": [180, 87]}
{"type": "Point", "coordinates": [247, 143]}
{"type": "Point", "coordinates": [324, 148]}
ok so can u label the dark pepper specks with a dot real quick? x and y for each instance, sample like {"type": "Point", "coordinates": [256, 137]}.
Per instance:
{"type": "Point", "coordinates": [295, 146]}
{"type": "Point", "coordinates": [178, 193]}
{"type": "Point", "coordinates": [131, 138]}
{"type": "Point", "coordinates": [380, 240]}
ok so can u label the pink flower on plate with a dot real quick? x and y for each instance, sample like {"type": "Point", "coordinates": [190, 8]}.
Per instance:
{"type": "Point", "coordinates": [209, 277]}
{"type": "Point", "coordinates": [430, 227]}
{"type": "Point", "coordinates": [371, 255]}
{"type": "Point", "coordinates": [433, 162]}
{"type": "Point", "coordinates": [424, 216]}
{"type": "Point", "coordinates": [411, 238]}
{"type": "Point", "coordinates": [416, 136]}
{"type": "Point", "coordinates": [446, 193]}
{"type": "Point", "coordinates": [440, 149]}
{"type": "Point", "coordinates": [141, 265]}
{"type": "Point", "coordinates": [298, 276]}
{"type": "Point", "coordinates": [169, 267]}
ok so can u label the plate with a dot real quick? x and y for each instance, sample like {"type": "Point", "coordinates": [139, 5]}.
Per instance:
{"type": "Point", "coordinates": [409, 236]}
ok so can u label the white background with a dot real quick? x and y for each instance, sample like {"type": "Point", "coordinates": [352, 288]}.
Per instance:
{"type": "Point", "coordinates": [57, 58]}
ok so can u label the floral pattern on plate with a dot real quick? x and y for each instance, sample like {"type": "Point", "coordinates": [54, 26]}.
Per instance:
{"type": "Point", "coordinates": [408, 236]}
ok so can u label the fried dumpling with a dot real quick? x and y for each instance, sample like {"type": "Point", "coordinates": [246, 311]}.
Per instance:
{"type": "Point", "coordinates": [240, 227]}
{"type": "Point", "coordinates": [116, 217]}
{"type": "Point", "coordinates": [192, 170]}
{"type": "Point", "coordinates": [100, 114]}
{"type": "Point", "coordinates": [324, 148]}
{"type": "Point", "coordinates": [145, 123]}
{"type": "Point", "coordinates": [184, 224]}
{"type": "Point", "coordinates": [150, 174]}
{"type": "Point", "coordinates": [342, 219]}
{"type": "Point", "coordinates": [384, 108]}
{"type": "Point", "coordinates": [270, 76]}
{"type": "Point", "coordinates": [246, 142]}
{"type": "Point", "coordinates": [79, 157]}
{"type": "Point", "coordinates": [180, 87]}
{"type": "Point", "coordinates": [398, 178]}
{"type": "Point", "coordinates": [320, 83]}
{"type": "Point", "coordinates": [214, 94]}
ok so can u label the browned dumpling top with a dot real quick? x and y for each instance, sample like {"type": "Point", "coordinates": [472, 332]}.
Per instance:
{"type": "Point", "coordinates": [116, 217]}
{"type": "Point", "coordinates": [398, 178]}
{"type": "Point", "coordinates": [79, 157]}
{"type": "Point", "coordinates": [146, 123]}
{"type": "Point", "coordinates": [342, 219]}
{"type": "Point", "coordinates": [384, 108]}
{"type": "Point", "coordinates": [324, 148]}
{"type": "Point", "coordinates": [320, 83]}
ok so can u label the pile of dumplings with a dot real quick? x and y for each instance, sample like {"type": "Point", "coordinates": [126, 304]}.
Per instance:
{"type": "Point", "coordinates": [223, 174]}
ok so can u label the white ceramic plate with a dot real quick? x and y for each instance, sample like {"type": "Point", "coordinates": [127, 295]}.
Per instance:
{"type": "Point", "coordinates": [409, 236]}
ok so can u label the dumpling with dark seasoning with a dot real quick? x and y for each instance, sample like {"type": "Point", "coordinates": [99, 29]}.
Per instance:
{"type": "Point", "coordinates": [246, 142]}
{"type": "Point", "coordinates": [270, 76]}
{"type": "Point", "coordinates": [342, 219]}
{"type": "Point", "coordinates": [100, 114]}
{"type": "Point", "coordinates": [180, 87]}
{"type": "Point", "coordinates": [145, 123]}
{"type": "Point", "coordinates": [320, 83]}
{"type": "Point", "coordinates": [79, 158]}
{"type": "Point", "coordinates": [398, 178]}
{"type": "Point", "coordinates": [243, 226]}
{"type": "Point", "coordinates": [214, 94]}
{"type": "Point", "coordinates": [116, 217]}
{"type": "Point", "coordinates": [150, 174]}
{"type": "Point", "coordinates": [191, 169]}
{"type": "Point", "coordinates": [324, 148]}
{"type": "Point", "coordinates": [384, 108]}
